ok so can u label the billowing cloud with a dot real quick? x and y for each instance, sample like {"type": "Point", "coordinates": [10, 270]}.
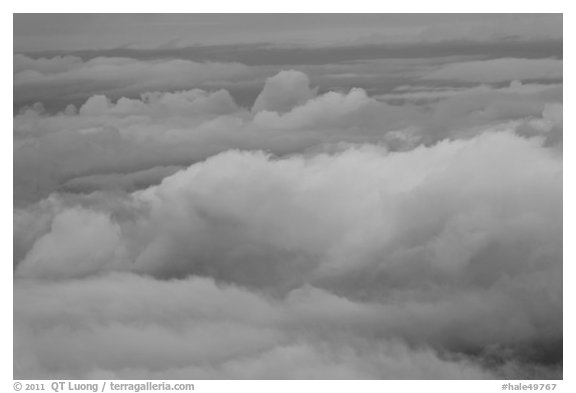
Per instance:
{"type": "Point", "coordinates": [329, 108]}
{"type": "Point", "coordinates": [103, 140]}
{"type": "Point", "coordinates": [437, 262]}
{"type": "Point", "coordinates": [182, 103]}
{"type": "Point", "coordinates": [283, 92]}
{"type": "Point", "coordinates": [196, 328]}
{"type": "Point", "coordinates": [382, 200]}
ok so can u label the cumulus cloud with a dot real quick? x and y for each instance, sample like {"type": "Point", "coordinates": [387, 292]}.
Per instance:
{"type": "Point", "coordinates": [329, 108]}
{"type": "Point", "coordinates": [210, 331]}
{"type": "Point", "coordinates": [306, 211]}
{"type": "Point", "coordinates": [183, 103]}
{"type": "Point", "coordinates": [283, 92]}
{"type": "Point", "coordinates": [109, 138]}
{"type": "Point", "coordinates": [336, 234]}
{"type": "Point", "coordinates": [360, 263]}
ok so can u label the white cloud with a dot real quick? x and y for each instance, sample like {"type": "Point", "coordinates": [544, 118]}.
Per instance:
{"type": "Point", "coordinates": [111, 138]}
{"type": "Point", "coordinates": [126, 326]}
{"type": "Point", "coordinates": [329, 107]}
{"type": "Point", "coordinates": [283, 92]}
{"type": "Point", "coordinates": [360, 262]}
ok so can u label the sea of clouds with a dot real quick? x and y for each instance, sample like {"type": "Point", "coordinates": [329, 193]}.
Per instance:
{"type": "Point", "coordinates": [317, 234]}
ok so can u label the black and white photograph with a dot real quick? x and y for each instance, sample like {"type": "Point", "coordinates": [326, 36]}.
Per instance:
{"type": "Point", "coordinates": [288, 196]}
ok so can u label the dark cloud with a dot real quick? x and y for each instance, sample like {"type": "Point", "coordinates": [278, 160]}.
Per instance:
{"type": "Point", "coordinates": [269, 54]}
{"type": "Point", "coordinates": [70, 32]}
{"type": "Point", "coordinates": [71, 78]}
{"type": "Point", "coordinates": [499, 70]}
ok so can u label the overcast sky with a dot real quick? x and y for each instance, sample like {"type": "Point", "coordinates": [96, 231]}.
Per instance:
{"type": "Point", "coordinates": [66, 32]}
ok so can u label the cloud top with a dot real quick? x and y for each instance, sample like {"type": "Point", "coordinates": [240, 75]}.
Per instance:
{"type": "Point", "coordinates": [363, 262]}
{"type": "Point", "coordinates": [283, 92]}
{"type": "Point", "coordinates": [165, 227]}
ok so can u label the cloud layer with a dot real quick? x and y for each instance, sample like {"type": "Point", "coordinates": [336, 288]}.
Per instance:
{"type": "Point", "coordinates": [110, 138]}
{"type": "Point", "coordinates": [71, 78]}
{"type": "Point", "coordinates": [360, 263]}
{"type": "Point", "coordinates": [500, 70]}
{"type": "Point", "coordinates": [380, 199]}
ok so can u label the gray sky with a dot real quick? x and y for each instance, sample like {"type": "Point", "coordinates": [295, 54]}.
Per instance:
{"type": "Point", "coordinates": [45, 32]}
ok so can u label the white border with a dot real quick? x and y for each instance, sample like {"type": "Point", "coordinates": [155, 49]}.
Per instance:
{"type": "Point", "coordinates": [300, 6]}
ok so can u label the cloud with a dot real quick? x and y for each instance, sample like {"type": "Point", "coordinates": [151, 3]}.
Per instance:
{"type": "Point", "coordinates": [361, 263]}
{"type": "Point", "coordinates": [553, 113]}
{"type": "Point", "coordinates": [110, 138]}
{"type": "Point", "coordinates": [37, 67]}
{"type": "Point", "coordinates": [429, 93]}
{"type": "Point", "coordinates": [466, 112]}
{"type": "Point", "coordinates": [74, 79]}
{"type": "Point", "coordinates": [118, 181]}
{"type": "Point", "coordinates": [196, 328]}
{"type": "Point", "coordinates": [329, 108]}
{"type": "Point", "coordinates": [155, 104]}
{"type": "Point", "coordinates": [499, 70]}
{"type": "Point", "coordinates": [502, 28]}
{"type": "Point", "coordinates": [283, 92]}
{"type": "Point", "coordinates": [311, 211]}
{"type": "Point", "coordinates": [69, 32]}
